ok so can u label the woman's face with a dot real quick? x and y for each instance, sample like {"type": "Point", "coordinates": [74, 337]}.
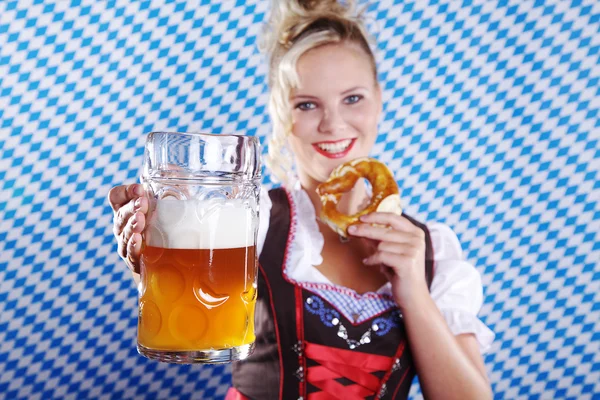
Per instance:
{"type": "Point", "coordinates": [335, 110]}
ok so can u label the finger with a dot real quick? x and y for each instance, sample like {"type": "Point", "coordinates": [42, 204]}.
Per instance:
{"type": "Point", "coordinates": [387, 258]}
{"type": "Point", "coordinates": [121, 247]}
{"type": "Point", "coordinates": [118, 196]}
{"type": "Point", "coordinates": [397, 248]}
{"type": "Point", "coordinates": [398, 222]}
{"type": "Point", "coordinates": [135, 225]}
{"type": "Point", "coordinates": [126, 212]}
{"type": "Point", "coordinates": [122, 217]}
{"type": "Point", "coordinates": [379, 233]}
{"type": "Point", "coordinates": [134, 247]}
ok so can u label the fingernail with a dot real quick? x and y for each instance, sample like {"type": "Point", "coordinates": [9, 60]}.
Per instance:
{"type": "Point", "coordinates": [365, 260]}
{"type": "Point", "coordinates": [352, 229]}
{"type": "Point", "coordinates": [138, 202]}
{"type": "Point", "coordinates": [134, 222]}
{"type": "Point", "coordinates": [138, 191]}
{"type": "Point", "coordinates": [363, 218]}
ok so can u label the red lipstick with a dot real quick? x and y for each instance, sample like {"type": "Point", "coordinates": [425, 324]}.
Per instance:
{"type": "Point", "coordinates": [341, 154]}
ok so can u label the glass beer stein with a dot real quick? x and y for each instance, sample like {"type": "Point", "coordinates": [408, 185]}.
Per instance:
{"type": "Point", "coordinates": [198, 261]}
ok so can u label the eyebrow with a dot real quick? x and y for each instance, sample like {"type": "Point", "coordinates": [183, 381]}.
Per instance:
{"type": "Point", "coordinates": [354, 89]}
{"type": "Point", "coordinates": [306, 96]}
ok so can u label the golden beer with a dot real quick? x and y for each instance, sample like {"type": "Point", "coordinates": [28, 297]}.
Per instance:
{"type": "Point", "coordinates": [197, 299]}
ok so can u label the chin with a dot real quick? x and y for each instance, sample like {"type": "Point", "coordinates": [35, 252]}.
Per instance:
{"type": "Point", "coordinates": [319, 176]}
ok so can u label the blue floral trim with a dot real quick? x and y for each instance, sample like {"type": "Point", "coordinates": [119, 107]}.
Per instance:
{"type": "Point", "coordinates": [315, 305]}
{"type": "Point", "coordinates": [330, 317]}
{"type": "Point", "coordinates": [385, 324]}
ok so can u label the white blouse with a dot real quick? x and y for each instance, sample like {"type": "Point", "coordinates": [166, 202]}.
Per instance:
{"type": "Point", "coordinates": [456, 287]}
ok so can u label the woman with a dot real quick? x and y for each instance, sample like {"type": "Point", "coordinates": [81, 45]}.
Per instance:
{"type": "Point", "coordinates": [339, 318]}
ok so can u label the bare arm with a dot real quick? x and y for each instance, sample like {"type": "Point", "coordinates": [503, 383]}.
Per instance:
{"type": "Point", "coordinates": [449, 367]}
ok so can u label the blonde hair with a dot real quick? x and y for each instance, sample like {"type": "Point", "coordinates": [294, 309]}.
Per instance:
{"type": "Point", "coordinates": [294, 28]}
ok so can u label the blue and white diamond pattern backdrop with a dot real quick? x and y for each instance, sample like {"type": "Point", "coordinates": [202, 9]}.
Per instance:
{"type": "Point", "coordinates": [491, 125]}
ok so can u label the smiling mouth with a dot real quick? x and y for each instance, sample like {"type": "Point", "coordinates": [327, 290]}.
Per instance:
{"type": "Point", "coordinates": [337, 149]}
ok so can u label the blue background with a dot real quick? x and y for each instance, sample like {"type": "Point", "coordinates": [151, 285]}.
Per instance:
{"type": "Point", "coordinates": [491, 125]}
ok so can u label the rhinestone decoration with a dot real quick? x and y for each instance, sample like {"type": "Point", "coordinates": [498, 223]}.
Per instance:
{"type": "Point", "coordinates": [366, 337]}
{"type": "Point", "coordinates": [342, 332]}
{"type": "Point", "coordinates": [396, 365]}
{"type": "Point", "coordinates": [382, 391]}
{"type": "Point", "coordinates": [298, 348]}
{"type": "Point", "coordinates": [299, 373]}
{"type": "Point", "coordinates": [353, 343]}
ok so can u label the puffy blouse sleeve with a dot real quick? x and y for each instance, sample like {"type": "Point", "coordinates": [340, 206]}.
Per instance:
{"type": "Point", "coordinates": [264, 215]}
{"type": "Point", "coordinates": [456, 287]}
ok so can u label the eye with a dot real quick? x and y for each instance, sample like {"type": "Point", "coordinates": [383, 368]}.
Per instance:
{"type": "Point", "coordinates": [352, 99]}
{"type": "Point", "coordinates": [306, 106]}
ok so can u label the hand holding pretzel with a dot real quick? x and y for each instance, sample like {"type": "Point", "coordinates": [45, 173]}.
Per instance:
{"type": "Point", "coordinates": [399, 245]}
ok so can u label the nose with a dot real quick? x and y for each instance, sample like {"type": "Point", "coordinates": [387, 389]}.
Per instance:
{"type": "Point", "coordinates": [331, 121]}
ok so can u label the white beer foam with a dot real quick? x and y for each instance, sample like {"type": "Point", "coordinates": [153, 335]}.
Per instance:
{"type": "Point", "coordinates": [194, 224]}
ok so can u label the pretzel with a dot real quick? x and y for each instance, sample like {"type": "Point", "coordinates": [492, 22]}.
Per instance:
{"type": "Point", "coordinates": [385, 196]}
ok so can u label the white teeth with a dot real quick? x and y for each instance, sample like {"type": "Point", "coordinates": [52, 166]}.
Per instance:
{"type": "Point", "coordinates": [335, 147]}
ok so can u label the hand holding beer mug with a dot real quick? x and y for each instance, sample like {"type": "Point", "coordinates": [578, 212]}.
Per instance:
{"type": "Point", "coordinates": [198, 258]}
